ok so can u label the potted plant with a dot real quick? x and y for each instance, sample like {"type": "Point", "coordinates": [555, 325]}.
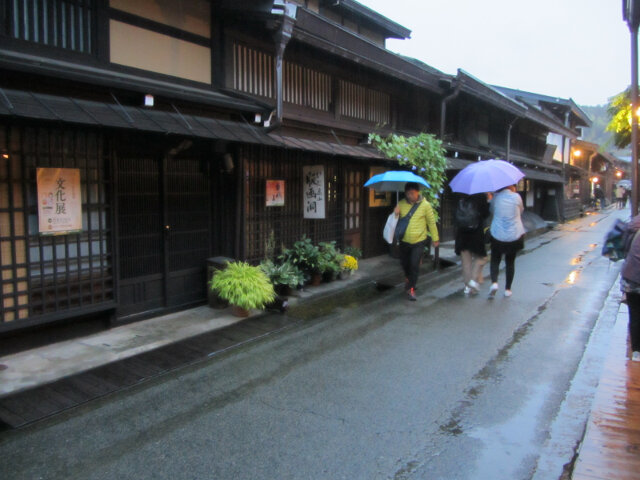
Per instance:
{"type": "Point", "coordinates": [330, 260]}
{"type": "Point", "coordinates": [355, 252]}
{"type": "Point", "coordinates": [306, 256]}
{"type": "Point", "coordinates": [284, 276]}
{"type": "Point", "coordinates": [244, 286]}
{"type": "Point", "coordinates": [349, 265]}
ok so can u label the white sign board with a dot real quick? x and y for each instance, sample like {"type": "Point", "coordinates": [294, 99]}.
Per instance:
{"type": "Point", "coordinates": [313, 191]}
{"type": "Point", "coordinates": [59, 201]}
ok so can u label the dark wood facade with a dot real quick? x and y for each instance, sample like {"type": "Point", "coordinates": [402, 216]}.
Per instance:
{"type": "Point", "coordinates": [169, 186]}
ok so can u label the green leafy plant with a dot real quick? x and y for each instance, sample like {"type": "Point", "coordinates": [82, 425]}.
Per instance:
{"type": "Point", "coordinates": [243, 285]}
{"type": "Point", "coordinates": [304, 255]}
{"type": "Point", "coordinates": [619, 110]}
{"type": "Point", "coordinates": [423, 153]}
{"type": "Point", "coordinates": [284, 273]}
{"type": "Point", "coordinates": [330, 258]}
{"type": "Point", "coordinates": [355, 252]}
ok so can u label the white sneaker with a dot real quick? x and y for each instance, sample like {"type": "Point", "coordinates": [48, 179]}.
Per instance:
{"type": "Point", "coordinates": [635, 356]}
{"type": "Point", "coordinates": [493, 289]}
{"type": "Point", "coordinates": [473, 286]}
{"type": "Point", "coordinates": [466, 290]}
{"type": "Point", "coordinates": [508, 293]}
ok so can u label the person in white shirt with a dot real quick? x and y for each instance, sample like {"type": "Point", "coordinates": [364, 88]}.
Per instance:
{"type": "Point", "coordinates": [507, 236]}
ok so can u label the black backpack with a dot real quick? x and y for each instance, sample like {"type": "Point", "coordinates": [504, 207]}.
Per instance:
{"type": "Point", "coordinates": [467, 217]}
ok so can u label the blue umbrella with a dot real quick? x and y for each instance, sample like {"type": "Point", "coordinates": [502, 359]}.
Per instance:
{"type": "Point", "coordinates": [485, 176]}
{"type": "Point", "coordinates": [394, 181]}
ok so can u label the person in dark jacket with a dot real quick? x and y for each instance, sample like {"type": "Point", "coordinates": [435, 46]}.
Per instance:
{"type": "Point", "coordinates": [630, 285]}
{"type": "Point", "coordinates": [469, 242]}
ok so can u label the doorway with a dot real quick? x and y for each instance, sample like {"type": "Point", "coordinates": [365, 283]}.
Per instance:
{"type": "Point", "coordinates": [164, 231]}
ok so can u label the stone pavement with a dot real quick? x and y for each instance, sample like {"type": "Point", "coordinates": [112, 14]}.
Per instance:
{"type": "Point", "coordinates": [50, 365]}
{"type": "Point", "coordinates": [42, 365]}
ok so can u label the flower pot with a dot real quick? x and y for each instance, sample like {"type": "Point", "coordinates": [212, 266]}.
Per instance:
{"type": "Point", "coordinates": [316, 279]}
{"type": "Point", "coordinates": [283, 290]}
{"type": "Point", "coordinates": [239, 311]}
{"type": "Point", "coordinates": [328, 276]}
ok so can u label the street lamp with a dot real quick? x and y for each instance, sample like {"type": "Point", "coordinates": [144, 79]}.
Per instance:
{"type": "Point", "coordinates": [631, 14]}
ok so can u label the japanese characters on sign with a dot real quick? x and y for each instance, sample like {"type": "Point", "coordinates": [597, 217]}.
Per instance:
{"type": "Point", "coordinates": [275, 193]}
{"type": "Point", "coordinates": [313, 196]}
{"type": "Point", "coordinates": [59, 201]}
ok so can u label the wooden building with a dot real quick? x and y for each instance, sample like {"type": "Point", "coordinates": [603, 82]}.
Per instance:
{"type": "Point", "coordinates": [198, 129]}
{"type": "Point", "coordinates": [571, 116]}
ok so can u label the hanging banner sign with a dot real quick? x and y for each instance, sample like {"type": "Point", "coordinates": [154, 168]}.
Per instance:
{"type": "Point", "coordinates": [275, 193]}
{"type": "Point", "coordinates": [59, 201]}
{"type": "Point", "coordinates": [313, 191]}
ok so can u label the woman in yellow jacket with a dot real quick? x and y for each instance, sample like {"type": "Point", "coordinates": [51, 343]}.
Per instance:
{"type": "Point", "coordinates": [413, 242]}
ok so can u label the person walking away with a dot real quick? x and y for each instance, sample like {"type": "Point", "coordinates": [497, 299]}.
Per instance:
{"type": "Point", "coordinates": [413, 242]}
{"type": "Point", "coordinates": [599, 196]}
{"type": "Point", "coordinates": [620, 197]}
{"type": "Point", "coordinates": [630, 285]}
{"type": "Point", "coordinates": [471, 213]}
{"type": "Point", "coordinates": [507, 236]}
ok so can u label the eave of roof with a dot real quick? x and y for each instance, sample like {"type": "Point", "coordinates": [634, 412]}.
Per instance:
{"type": "Point", "coordinates": [568, 104]}
{"type": "Point", "coordinates": [479, 89]}
{"type": "Point", "coordinates": [19, 61]}
{"type": "Point", "coordinates": [393, 29]}
{"type": "Point", "coordinates": [543, 118]}
{"type": "Point", "coordinates": [315, 30]}
{"type": "Point", "coordinates": [37, 106]}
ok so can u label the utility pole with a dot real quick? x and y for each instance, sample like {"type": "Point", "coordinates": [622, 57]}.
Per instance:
{"type": "Point", "coordinates": [631, 14]}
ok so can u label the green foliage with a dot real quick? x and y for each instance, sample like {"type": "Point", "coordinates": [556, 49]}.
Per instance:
{"type": "Point", "coordinates": [284, 273]}
{"type": "Point", "coordinates": [330, 258]}
{"type": "Point", "coordinates": [423, 153]}
{"type": "Point", "coordinates": [243, 285]}
{"type": "Point", "coordinates": [619, 110]}
{"type": "Point", "coordinates": [355, 252]}
{"type": "Point", "coordinates": [304, 255]}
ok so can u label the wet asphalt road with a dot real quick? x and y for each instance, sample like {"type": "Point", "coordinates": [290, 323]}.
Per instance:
{"type": "Point", "coordinates": [447, 387]}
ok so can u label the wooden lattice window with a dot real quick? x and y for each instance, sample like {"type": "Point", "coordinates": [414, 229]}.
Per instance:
{"type": "Point", "coordinates": [44, 275]}
{"type": "Point", "coordinates": [364, 103]}
{"type": "Point", "coordinates": [66, 24]}
{"type": "Point", "coordinates": [306, 87]}
{"type": "Point", "coordinates": [254, 70]}
{"type": "Point", "coordinates": [286, 223]}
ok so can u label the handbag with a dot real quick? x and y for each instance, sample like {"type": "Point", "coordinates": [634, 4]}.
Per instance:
{"type": "Point", "coordinates": [403, 223]}
{"type": "Point", "coordinates": [390, 228]}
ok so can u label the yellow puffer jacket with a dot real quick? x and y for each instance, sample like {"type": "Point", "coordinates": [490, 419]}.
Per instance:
{"type": "Point", "coordinates": [423, 219]}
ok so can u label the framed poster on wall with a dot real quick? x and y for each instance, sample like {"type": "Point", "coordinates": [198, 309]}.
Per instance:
{"type": "Point", "coordinates": [274, 193]}
{"type": "Point", "coordinates": [313, 196]}
{"type": "Point", "coordinates": [59, 201]}
{"type": "Point", "coordinates": [378, 199]}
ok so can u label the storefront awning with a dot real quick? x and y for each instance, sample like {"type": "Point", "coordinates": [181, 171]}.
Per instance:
{"type": "Point", "coordinates": [533, 174]}
{"type": "Point", "coordinates": [24, 104]}
{"type": "Point", "coordinates": [356, 151]}
{"type": "Point", "coordinates": [457, 163]}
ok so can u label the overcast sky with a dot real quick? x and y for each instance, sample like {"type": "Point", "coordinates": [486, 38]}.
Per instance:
{"type": "Point", "coordinates": [576, 49]}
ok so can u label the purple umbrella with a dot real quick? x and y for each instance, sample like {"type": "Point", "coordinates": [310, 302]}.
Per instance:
{"type": "Point", "coordinates": [485, 176]}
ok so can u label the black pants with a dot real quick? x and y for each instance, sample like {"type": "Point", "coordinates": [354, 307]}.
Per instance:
{"type": "Point", "coordinates": [411, 258]}
{"type": "Point", "coordinates": [633, 302]}
{"type": "Point", "coordinates": [510, 262]}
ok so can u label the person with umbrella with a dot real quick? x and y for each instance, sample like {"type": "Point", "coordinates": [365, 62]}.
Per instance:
{"type": "Point", "coordinates": [470, 215]}
{"type": "Point", "coordinates": [507, 230]}
{"type": "Point", "coordinates": [507, 236]}
{"type": "Point", "coordinates": [414, 239]}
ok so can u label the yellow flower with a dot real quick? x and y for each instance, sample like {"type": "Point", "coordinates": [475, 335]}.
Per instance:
{"type": "Point", "coordinates": [349, 263]}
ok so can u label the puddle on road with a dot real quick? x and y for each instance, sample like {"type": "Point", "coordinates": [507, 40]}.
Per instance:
{"type": "Point", "coordinates": [345, 299]}
{"type": "Point", "coordinates": [509, 444]}
{"type": "Point", "coordinates": [573, 277]}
